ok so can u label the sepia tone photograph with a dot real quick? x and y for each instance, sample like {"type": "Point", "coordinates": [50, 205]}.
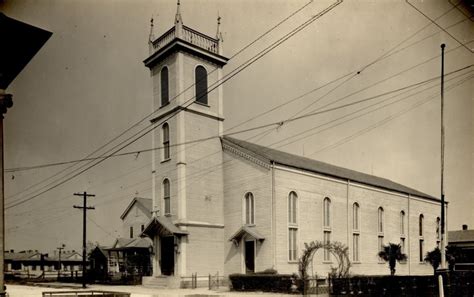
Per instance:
{"type": "Point", "coordinates": [231, 148]}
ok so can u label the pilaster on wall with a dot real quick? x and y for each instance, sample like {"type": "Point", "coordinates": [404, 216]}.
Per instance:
{"type": "Point", "coordinates": [181, 137]}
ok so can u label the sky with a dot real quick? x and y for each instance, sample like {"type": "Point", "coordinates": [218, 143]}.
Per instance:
{"type": "Point", "coordinates": [88, 84]}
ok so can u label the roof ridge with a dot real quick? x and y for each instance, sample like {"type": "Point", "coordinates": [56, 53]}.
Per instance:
{"type": "Point", "coordinates": [305, 163]}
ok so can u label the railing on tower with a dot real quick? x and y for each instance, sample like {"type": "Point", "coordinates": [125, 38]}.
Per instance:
{"type": "Point", "coordinates": [188, 35]}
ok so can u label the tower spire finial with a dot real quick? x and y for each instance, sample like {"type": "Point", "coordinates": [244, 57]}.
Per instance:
{"type": "Point", "coordinates": [178, 18]}
{"type": "Point", "coordinates": [218, 33]}
{"type": "Point", "coordinates": [151, 37]}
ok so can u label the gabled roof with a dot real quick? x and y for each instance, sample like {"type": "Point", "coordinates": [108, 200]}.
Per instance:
{"type": "Point", "coordinates": [461, 236]}
{"type": "Point", "coordinates": [268, 155]}
{"type": "Point", "coordinates": [25, 255]}
{"type": "Point", "coordinates": [145, 204]}
{"type": "Point", "coordinates": [130, 243]}
{"type": "Point", "coordinates": [246, 230]}
{"type": "Point", "coordinates": [162, 226]}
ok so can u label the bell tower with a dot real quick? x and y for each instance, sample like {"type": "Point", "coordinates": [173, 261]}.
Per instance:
{"type": "Point", "coordinates": [186, 69]}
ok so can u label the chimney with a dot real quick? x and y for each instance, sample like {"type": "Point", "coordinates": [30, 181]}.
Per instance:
{"type": "Point", "coordinates": [464, 227]}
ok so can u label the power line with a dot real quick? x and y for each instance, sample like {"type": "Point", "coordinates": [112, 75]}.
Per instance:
{"type": "Point", "coordinates": [277, 123]}
{"type": "Point", "coordinates": [387, 119]}
{"type": "Point", "coordinates": [222, 81]}
{"type": "Point", "coordinates": [434, 22]}
{"type": "Point", "coordinates": [146, 117]}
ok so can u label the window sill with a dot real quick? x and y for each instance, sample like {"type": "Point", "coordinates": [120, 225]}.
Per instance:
{"type": "Point", "coordinates": [164, 105]}
{"type": "Point", "coordinates": [356, 262]}
{"type": "Point", "coordinates": [168, 215]}
{"type": "Point", "coordinates": [327, 262]}
{"type": "Point", "coordinates": [202, 104]}
{"type": "Point", "coordinates": [166, 160]}
{"type": "Point", "coordinates": [249, 225]}
{"type": "Point", "coordinates": [292, 262]}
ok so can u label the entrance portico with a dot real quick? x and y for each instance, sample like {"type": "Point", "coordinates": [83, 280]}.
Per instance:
{"type": "Point", "coordinates": [166, 245]}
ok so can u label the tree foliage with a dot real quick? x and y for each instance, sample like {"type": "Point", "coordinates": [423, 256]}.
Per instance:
{"type": "Point", "coordinates": [392, 253]}
{"type": "Point", "coordinates": [434, 258]}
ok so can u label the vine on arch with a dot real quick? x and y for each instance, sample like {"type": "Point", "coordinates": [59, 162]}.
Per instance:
{"type": "Point", "coordinates": [337, 249]}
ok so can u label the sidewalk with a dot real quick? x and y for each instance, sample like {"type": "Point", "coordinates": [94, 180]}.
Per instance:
{"type": "Point", "coordinates": [137, 291]}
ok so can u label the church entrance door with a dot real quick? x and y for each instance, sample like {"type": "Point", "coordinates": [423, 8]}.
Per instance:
{"type": "Point", "coordinates": [249, 256]}
{"type": "Point", "coordinates": [167, 255]}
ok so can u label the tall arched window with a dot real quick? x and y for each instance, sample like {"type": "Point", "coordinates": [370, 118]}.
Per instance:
{"type": "Point", "coordinates": [201, 84]}
{"type": "Point", "coordinates": [165, 97]}
{"type": "Point", "coordinates": [420, 233]}
{"type": "Point", "coordinates": [327, 226]}
{"type": "Point", "coordinates": [355, 216]}
{"type": "Point", "coordinates": [420, 224]}
{"type": "Point", "coordinates": [402, 230]}
{"type": "Point", "coordinates": [166, 196]}
{"type": "Point", "coordinates": [166, 141]}
{"type": "Point", "coordinates": [355, 232]}
{"type": "Point", "coordinates": [249, 209]}
{"type": "Point", "coordinates": [380, 229]}
{"type": "Point", "coordinates": [292, 208]}
{"type": "Point", "coordinates": [438, 232]}
{"type": "Point", "coordinates": [380, 220]}
{"type": "Point", "coordinates": [292, 226]}
{"type": "Point", "coordinates": [327, 212]}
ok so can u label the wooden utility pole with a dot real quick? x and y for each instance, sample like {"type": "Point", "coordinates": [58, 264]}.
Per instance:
{"type": "Point", "coordinates": [84, 212]}
{"type": "Point", "coordinates": [59, 259]}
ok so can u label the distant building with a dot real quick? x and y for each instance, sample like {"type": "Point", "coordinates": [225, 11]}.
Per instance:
{"type": "Point", "coordinates": [33, 263]}
{"type": "Point", "coordinates": [223, 205]}
{"type": "Point", "coordinates": [463, 242]}
{"type": "Point", "coordinates": [130, 254]}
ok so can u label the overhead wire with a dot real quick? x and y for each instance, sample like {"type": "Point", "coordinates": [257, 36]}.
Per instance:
{"type": "Point", "coordinates": [154, 111]}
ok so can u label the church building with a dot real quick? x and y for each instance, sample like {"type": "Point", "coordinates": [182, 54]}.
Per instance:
{"type": "Point", "coordinates": [224, 205]}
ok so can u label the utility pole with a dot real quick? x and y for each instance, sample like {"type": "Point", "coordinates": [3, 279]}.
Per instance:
{"type": "Point", "coordinates": [59, 259]}
{"type": "Point", "coordinates": [5, 103]}
{"type": "Point", "coordinates": [443, 242]}
{"type": "Point", "coordinates": [84, 212]}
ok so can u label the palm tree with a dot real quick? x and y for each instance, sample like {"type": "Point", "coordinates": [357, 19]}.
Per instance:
{"type": "Point", "coordinates": [392, 253]}
{"type": "Point", "coordinates": [434, 258]}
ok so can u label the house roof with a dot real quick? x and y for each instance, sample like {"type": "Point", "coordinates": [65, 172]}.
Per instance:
{"type": "Point", "coordinates": [25, 255]}
{"type": "Point", "coordinates": [461, 236]}
{"type": "Point", "coordinates": [269, 155]}
{"type": "Point", "coordinates": [246, 230]}
{"type": "Point", "coordinates": [145, 204]}
{"type": "Point", "coordinates": [130, 243]}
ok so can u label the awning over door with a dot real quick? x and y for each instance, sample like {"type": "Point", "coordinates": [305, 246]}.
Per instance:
{"type": "Point", "coordinates": [163, 227]}
{"type": "Point", "coordinates": [246, 231]}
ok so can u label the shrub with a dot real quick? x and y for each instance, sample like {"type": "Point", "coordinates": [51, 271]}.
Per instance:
{"type": "Point", "coordinates": [270, 282]}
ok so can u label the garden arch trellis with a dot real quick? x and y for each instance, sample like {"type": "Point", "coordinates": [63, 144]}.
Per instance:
{"type": "Point", "coordinates": [337, 249]}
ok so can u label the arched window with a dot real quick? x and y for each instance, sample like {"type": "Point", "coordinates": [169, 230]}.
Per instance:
{"type": "Point", "coordinates": [438, 228]}
{"type": "Point", "coordinates": [201, 84]}
{"type": "Point", "coordinates": [292, 208]}
{"type": "Point", "coordinates": [249, 209]}
{"type": "Point", "coordinates": [355, 232]}
{"type": "Point", "coordinates": [380, 220]}
{"type": "Point", "coordinates": [420, 225]}
{"type": "Point", "coordinates": [355, 216]}
{"type": "Point", "coordinates": [380, 242]}
{"type": "Point", "coordinates": [292, 227]}
{"type": "Point", "coordinates": [166, 196]}
{"type": "Point", "coordinates": [165, 98]}
{"type": "Point", "coordinates": [166, 141]}
{"type": "Point", "coordinates": [402, 222]}
{"type": "Point", "coordinates": [327, 212]}
{"type": "Point", "coordinates": [327, 226]}
{"type": "Point", "coordinates": [438, 232]}
{"type": "Point", "coordinates": [421, 241]}
{"type": "Point", "coordinates": [402, 230]}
